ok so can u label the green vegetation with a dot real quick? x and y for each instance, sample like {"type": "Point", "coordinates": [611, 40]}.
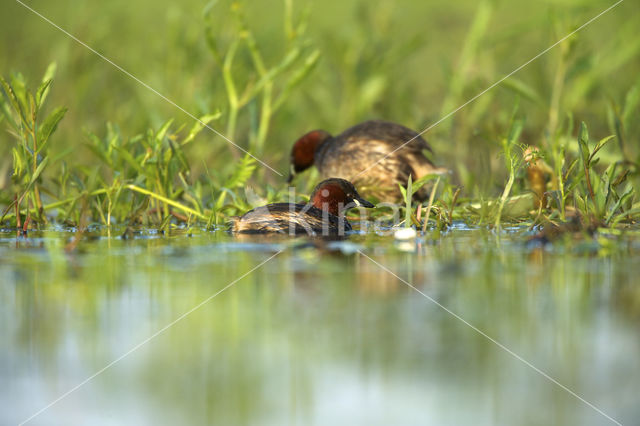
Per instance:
{"type": "Point", "coordinates": [520, 153]}
{"type": "Point", "coordinates": [181, 324]}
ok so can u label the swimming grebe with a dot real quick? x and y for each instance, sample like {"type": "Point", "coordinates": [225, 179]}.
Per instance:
{"type": "Point", "coordinates": [323, 215]}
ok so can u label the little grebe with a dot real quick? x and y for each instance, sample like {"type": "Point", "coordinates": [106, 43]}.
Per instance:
{"type": "Point", "coordinates": [322, 215]}
{"type": "Point", "coordinates": [358, 154]}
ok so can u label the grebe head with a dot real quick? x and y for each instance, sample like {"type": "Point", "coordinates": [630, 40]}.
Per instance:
{"type": "Point", "coordinates": [304, 150]}
{"type": "Point", "coordinates": [336, 195]}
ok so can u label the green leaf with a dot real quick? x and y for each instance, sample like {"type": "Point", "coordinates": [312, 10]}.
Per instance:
{"type": "Point", "coordinates": [199, 125]}
{"type": "Point", "coordinates": [19, 87]}
{"type": "Point", "coordinates": [164, 200]}
{"type": "Point", "coordinates": [95, 146]}
{"type": "Point", "coordinates": [570, 168]}
{"type": "Point", "coordinates": [163, 130]}
{"type": "Point", "coordinates": [622, 177]}
{"type": "Point", "coordinates": [515, 131]}
{"type": "Point", "coordinates": [583, 141]}
{"type": "Point", "coordinates": [599, 146]}
{"type": "Point", "coordinates": [423, 180]}
{"type": "Point", "coordinates": [242, 172]}
{"type": "Point", "coordinates": [43, 90]}
{"type": "Point", "coordinates": [407, 199]}
{"type": "Point", "coordinates": [223, 194]}
{"type": "Point", "coordinates": [50, 72]}
{"type": "Point", "coordinates": [38, 171]}
{"type": "Point", "coordinates": [403, 191]}
{"type": "Point", "coordinates": [49, 126]}
{"type": "Point", "coordinates": [628, 193]}
{"type": "Point", "coordinates": [18, 163]}
{"type": "Point", "coordinates": [129, 159]}
{"type": "Point", "coordinates": [177, 151]}
{"type": "Point", "coordinates": [6, 112]}
{"type": "Point", "coordinates": [606, 179]}
{"type": "Point", "coordinates": [15, 104]}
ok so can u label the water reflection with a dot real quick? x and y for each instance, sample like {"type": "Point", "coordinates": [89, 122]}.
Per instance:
{"type": "Point", "coordinates": [320, 334]}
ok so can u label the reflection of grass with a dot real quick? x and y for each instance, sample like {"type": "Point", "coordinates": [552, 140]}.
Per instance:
{"type": "Point", "coordinates": [262, 90]}
{"type": "Point", "coordinates": [266, 343]}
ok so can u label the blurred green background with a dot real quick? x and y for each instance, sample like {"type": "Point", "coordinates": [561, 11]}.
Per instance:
{"type": "Point", "coordinates": [409, 62]}
{"type": "Point", "coordinates": [320, 334]}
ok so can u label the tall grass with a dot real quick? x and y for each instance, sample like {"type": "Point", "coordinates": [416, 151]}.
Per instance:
{"type": "Point", "coordinates": [266, 87]}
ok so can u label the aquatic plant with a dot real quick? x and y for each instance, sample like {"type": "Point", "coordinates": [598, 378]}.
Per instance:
{"type": "Point", "coordinates": [32, 132]}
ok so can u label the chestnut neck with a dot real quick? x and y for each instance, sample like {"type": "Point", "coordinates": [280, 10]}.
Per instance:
{"type": "Point", "coordinates": [330, 197]}
{"type": "Point", "coordinates": [303, 152]}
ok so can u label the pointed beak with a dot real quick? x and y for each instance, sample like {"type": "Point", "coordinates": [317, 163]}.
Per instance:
{"type": "Point", "coordinates": [361, 202]}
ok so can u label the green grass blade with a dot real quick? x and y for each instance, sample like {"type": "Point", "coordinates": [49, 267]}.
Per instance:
{"type": "Point", "coordinates": [166, 201]}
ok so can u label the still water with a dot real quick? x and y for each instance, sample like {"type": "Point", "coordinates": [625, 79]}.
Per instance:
{"type": "Point", "coordinates": [319, 333]}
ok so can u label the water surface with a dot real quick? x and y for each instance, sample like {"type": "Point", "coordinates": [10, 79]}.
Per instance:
{"type": "Point", "coordinates": [319, 334]}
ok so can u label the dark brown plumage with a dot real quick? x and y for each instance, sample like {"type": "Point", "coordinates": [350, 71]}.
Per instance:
{"type": "Point", "coordinates": [372, 154]}
{"type": "Point", "coordinates": [322, 216]}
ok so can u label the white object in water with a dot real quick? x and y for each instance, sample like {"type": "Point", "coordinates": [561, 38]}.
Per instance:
{"type": "Point", "coordinates": [405, 234]}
